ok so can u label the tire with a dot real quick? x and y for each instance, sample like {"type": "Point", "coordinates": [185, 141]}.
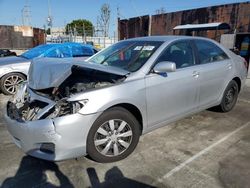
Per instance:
{"type": "Point", "coordinates": [229, 97]}
{"type": "Point", "coordinates": [117, 147]}
{"type": "Point", "coordinates": [9, 82]}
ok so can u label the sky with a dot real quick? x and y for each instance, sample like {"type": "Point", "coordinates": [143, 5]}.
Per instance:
{"type": "Point", "coordinates": [64, 11]}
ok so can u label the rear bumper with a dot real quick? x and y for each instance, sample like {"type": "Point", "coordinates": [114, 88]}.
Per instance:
{"type": "Point", "coordinates": [67, 135]}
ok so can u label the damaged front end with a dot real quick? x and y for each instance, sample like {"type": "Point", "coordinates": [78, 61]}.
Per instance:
{"type": "Point", "coordinates": [46, 94]}
{"type": "Point", "coordinates": [27, 105]}
{"type": "Point", "coordinates": [43, 118]}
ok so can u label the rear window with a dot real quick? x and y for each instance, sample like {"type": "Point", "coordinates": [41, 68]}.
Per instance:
{"type": "Point", "coordinates": [208, 52]}
{"type": "Point", "coordinates": [37, 51]}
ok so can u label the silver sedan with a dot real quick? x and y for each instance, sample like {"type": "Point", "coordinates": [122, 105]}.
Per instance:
{"type": "Point", "coordinates": [102, 106]}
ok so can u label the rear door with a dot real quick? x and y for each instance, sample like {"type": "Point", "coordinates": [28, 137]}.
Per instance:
{"type": "Point", "coordinates": [214, 69]}
{"type": "Point", "coordinates": [176, 93]}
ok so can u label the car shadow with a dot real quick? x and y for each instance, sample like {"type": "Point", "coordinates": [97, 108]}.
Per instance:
{"type": "Point", "coordinates": [32, 173]}
{"type": "Point", "coordinates": [115, 178]}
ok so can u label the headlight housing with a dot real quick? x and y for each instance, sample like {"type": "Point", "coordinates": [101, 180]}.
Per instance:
{"type": "Point", "coordinates": [78, 105]}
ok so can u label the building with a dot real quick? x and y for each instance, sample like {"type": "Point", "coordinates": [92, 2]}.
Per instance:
{"type": "Point", "coordinates": [57, 31]}
{"type": "Point", "coordinates": [237, 15]}
{"type": "Point", "coordinates": [20, 37]}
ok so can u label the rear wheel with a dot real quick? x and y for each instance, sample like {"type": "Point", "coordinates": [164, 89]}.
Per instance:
{"type": "Point", "coordinates": [10, 81]}
{"type": "Point", "coordinates": [113, 136]}
{"type": "Point", "coordinates": [230, 97]}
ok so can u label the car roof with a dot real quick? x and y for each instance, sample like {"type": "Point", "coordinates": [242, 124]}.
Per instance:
{"type": "Point", "coordinates": [67, 44]}
{"type": "Point", "coordinates": [166, 38]}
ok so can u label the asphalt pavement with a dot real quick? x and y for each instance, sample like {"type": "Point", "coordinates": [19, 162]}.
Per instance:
{"type": "Point", "coordinates": [209, 149]}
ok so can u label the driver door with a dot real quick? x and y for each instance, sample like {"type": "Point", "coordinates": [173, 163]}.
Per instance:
{"type": "Point", "coordinates": [176, 94]}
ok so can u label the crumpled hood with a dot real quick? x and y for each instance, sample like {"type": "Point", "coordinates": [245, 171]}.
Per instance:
{"type": "Point", "coordinates": [12, 60]}
{"type": "Point", "coordinates": [51, 72]}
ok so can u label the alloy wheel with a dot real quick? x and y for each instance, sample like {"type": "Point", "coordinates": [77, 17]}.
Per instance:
{"type": "Point", "coordinates": [11, 83]}
{"type": "Point", "coordinates": [230, 96]}
{"type": "Point", "coordinates": [113, 137]}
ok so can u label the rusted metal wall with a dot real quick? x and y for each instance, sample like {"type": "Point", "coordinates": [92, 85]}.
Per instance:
{"type": "Point", "coordinates": [133, 27]}
{"type": "Point", "coordinates": [20, 37]}
{"type": "Point", "coordinates": [236, 15]}
{"type": "Point", "coordinates": [39, 36]}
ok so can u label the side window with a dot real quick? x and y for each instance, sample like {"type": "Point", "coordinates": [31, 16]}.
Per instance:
{"type": "Point", "coordinates": [209, 52]}
{"type": "Point", "coordinates": [60, 52]}
{"type": "Point", "coordinates": [81, 51]}
{"type": "Point", "coordinates": [65, 51]}
{"type": "Point", "coordinates": [181, 53]}
{"type": "Point", "coordinates": [53, 53]}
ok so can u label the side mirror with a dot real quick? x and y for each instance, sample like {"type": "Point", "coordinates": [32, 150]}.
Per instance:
{"type": "Point", "coordinates": [164, 67]}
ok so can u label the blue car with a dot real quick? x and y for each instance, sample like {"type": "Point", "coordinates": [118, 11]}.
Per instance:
{"type": "Point", "coordinates": [62, 50]}
{"type": "Point", "coordinates": [14, 70]}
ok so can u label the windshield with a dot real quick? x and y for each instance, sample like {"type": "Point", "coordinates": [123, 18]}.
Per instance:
{"type": "Point", "coordinates": [128, 55]}
{"type": "Point", "coordinates": [36, 52]}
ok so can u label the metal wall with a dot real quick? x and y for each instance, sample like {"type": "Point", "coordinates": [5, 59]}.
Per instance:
{"type": "Point", "coordinates": [20, 37]}
{"type": "Point", "coordinates": [133, 27]}
{"type": "Point", "coordinates": [236, 15]}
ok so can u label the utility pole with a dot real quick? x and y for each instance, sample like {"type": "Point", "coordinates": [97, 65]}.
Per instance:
{"type": "Point", "coordinates": [75, 33]}
{"type": "Point", "coordinates": [117, 22]}
{"type": "Point", "coordinates": [98, 28]}
{"type": "Point", "coordinates": [84, 33]}
{"type": "Point", "coordinates": [26, 17]}
{"type": "Point", "coordinates": [49, 19]}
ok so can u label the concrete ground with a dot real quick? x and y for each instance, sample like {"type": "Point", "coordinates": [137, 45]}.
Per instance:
{"type": "Point", "coordinates": [208, 149]}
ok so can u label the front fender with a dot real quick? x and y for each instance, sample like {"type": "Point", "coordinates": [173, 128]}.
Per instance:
{"type": "Point", "coordinates": [131, 92]}
{"type": "Point", "coordinates": [4, 71]}
{"type": "Point", "coordinates": [10, 69]}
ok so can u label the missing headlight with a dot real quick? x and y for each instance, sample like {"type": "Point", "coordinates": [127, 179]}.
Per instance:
{"type": "Point", "coordinates": [63, 108]}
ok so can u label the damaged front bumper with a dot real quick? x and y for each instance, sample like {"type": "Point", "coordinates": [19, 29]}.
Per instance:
{"type": "Point", "coordinates": [50, 139]}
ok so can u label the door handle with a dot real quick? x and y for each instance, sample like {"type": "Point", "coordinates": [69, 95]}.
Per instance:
{"type": "Point", "coordinates": [195, 74]}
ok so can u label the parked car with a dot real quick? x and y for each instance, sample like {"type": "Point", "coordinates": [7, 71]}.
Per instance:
{"type": "Point", "coordinates": [6, 52]}
{"type": "Point", "coordinates": [14, 70]}
{"type": "Point", "coordinates": [101, 107]}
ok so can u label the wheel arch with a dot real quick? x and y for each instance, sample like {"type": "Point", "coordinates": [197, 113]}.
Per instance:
{"type": "Point", "coordinates": [238, 81]}
{"type": "Point", "coordinates": [133, 110]}
{"type": "Point", "coordinates": [14, 72]}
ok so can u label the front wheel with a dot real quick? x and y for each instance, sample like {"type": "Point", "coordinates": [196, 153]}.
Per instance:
{"type": "Point", "coordinates": [9, 83]}
{"type": "Point", "coordinates": [230, 97]}
{"type": "Point", "coordinates": [113, 136]}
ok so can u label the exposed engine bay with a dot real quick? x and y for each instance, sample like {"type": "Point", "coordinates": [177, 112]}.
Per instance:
{"type": "Point", "coordinates": [30, 104]}
{"type": "Point", "coordinates": [81, 80]}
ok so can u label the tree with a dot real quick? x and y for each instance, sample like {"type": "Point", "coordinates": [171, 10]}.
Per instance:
{"type": "Point", "coordinates": [48, 31]}
{"type": "Point", "coordinates": [81, 27]}
{"type": "Point", "coordinates": [105, 18]}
